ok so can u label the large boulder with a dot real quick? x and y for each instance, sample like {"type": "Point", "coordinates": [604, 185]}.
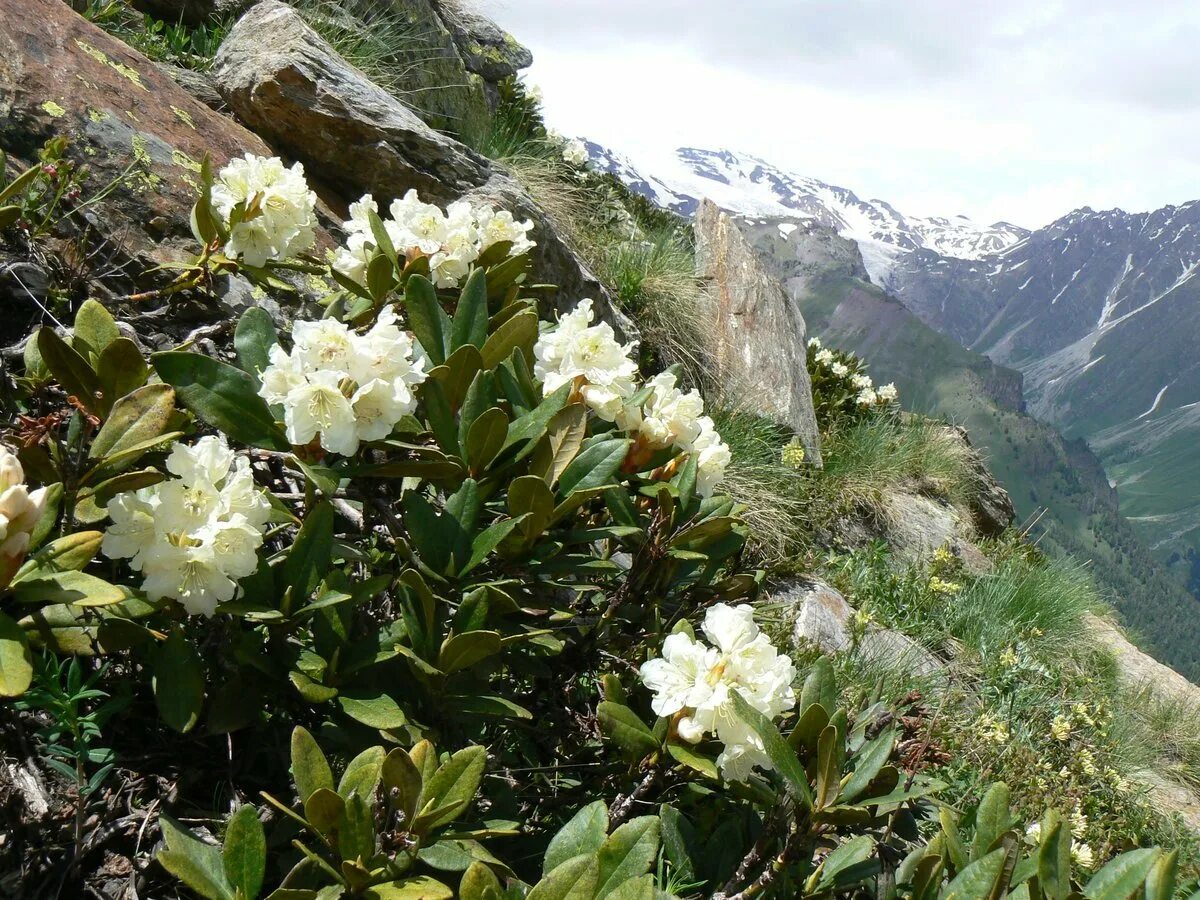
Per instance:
{"type": "Point", "coordinates": [288, 84]}
{"type": "Point", "coordinates": [759, 339]}
{"type": "Point", "coordinates": [133, 126]}
{"type": "Point", "coordinates": [285, 82]}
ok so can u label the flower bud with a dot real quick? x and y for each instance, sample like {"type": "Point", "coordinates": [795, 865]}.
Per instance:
{"type": "Point", "coordinates": [20, 510]}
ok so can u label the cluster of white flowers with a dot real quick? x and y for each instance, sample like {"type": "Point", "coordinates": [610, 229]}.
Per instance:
{"type": "Point", "coordinates": [575, 152]}
{"type": "Point", "coordinates": [1081, 854]}
{"type": "Point", "coordinates": [868, 393]}
{"type": "Point", "coordinates": [20, 509]}
{"type": "Point", "coordinates": [192, 536]}
{"type": "Point", "coordinates": [592, 359]}
{"type": "Point", "coordinates": [276, 207]}
{"type": "Point", "coordinates": [345, 387]}
{"type": "Point", "coordinates": [452, 239]}
{"type": "Point", "coordinates": [697, 681]}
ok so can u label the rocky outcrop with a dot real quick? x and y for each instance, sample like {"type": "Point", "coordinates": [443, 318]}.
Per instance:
{"type": "Point", "coordinates": [485, 48]}
{"type": "Point", "coordinates": [822, 619]}
{"type": "Point", "coordinates": [759, 336]}
{"type": "Point", "coordinates": [991, 507]}
{"type": "Point", "coordinates": [138, 132]}
{"type": "Point", "coordinates": [285, 82]}
{"type": "Point", "coordinates": [281, 78]}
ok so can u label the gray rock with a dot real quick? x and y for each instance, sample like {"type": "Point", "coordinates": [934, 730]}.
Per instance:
{"type": "Point", "coordinates": [287, 84]}
{"type": "Point", "coordinates": [991, 507]}
{"type": "Point", "coordinates": [199, 84]}
{"type": "Point", "coordinates": [821, 618]}
{"type": "Point", "coordinates": [821, 614]}
{"type": "Point", "coordinates": [897, 652]}
{"type": "Point", "coordinates": [759, 335]}
{"type": "Point", "coordinates": [486, 49]}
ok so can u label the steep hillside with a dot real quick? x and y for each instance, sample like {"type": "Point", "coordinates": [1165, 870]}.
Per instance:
{"type": "Point", "coordinates": [1042, 469]}
{"type": "Point", "coordinates": [1091, 301]}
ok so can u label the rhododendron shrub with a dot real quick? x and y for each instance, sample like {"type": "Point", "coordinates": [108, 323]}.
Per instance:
{"type": "Point", "coordinates": [471, 547]}
{"type": "Point", "coordinates": [842, 390]}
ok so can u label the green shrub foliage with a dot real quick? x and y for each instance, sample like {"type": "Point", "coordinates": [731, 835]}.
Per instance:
{"type": "Point", "coordinates": [453, 544]}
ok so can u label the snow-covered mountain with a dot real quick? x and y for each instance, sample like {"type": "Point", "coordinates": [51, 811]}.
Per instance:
{"type": "Point", "coordinates": [750, 186]}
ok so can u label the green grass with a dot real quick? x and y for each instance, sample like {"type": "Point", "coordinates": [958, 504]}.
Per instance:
{"type": "Point", "coordinates": [1019, 660]}
{"type": "Point", "coordinates": [867, 458]}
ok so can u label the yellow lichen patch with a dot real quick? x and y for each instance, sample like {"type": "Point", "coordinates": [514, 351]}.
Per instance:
{"type": "Point", "coordinates": [141, 175]}
{"type": "Point", "coordinates": [96, 115]}
{"type": "Point", "coordinates": [134, 118]}
{"type": "Point", "coordinates": [184, 116]}
{"type": "Point", "coordinates": [54, 109]}
{"type": "Point", "coordinates": [184, 161]}
{"type": "Point", "coordinates": [101, 57]}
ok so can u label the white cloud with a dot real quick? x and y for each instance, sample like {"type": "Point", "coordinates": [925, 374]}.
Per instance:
{"type": "Point", "coordinates": [1017, 111]}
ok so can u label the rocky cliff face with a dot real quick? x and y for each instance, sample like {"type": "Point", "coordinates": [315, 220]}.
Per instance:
{"type": "Point", "coordinates": [759, 337]}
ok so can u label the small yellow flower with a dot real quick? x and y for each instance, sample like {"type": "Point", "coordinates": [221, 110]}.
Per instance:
{"type": "Point", "coordinates": [948, 588]}
{"type": "Point", "coordinates": [793, 454]}
{"type": "Point", "coordinates": [1060, 728]}
{"type": "Point", "coordinates": [1008, 657]}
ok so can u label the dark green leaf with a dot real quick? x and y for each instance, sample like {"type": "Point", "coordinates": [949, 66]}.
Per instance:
{"type": "Point", "coordinates": [253, 339]}
{"type": "Point", "coordinates": [310, 769]}
{"type": "Point", "coordinates": [781, 755]}
{"type": "Point", "coordinates": [629, 852]}
{"type": "Point", "coordinates": [178, 682]}
{"type": "Point", "coordinates": [625, 728]}
{"type": "Point", "coordinates": [224, 397]}
{"type": "Point", "coordinates": [471, 316]}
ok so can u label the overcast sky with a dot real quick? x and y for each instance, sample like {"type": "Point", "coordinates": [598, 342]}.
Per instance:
{"type": "Point", "coordinates": [1017, 110]}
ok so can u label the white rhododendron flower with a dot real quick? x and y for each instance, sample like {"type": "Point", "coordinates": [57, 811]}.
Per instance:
{"type": "Point", "coordinates": [276, 207]}
{"type": "Point", "coordinates": [867, 397]}
{"type": "Point", "coordinates": [1082, 855]}
{"type": "Point", "coordinates": [860, 381]}
{"type": "Point", "coordinates": [575, 152]}
{"type": "Point", "coordinates": [887, 393]}
{"type": "Point", "coordinates": [193, 536]}
{"type": "Point", "coordinates": [814, 342]}
{"type": "Point", "coordinates": [839, 369]}
{"type": "Point", "coordinates": [452, 239]}
{"type": "Point", "coordinates": [713, 457]}
{"type": "Point", "coordinates": [20, 510]}
{"type": "Point", "coordinates": [695, 681]}
{"type": "Point", "coordinates": [824, 357]}
{"type": "Point", "coordinates": [668, 418]}
{"type": "Point", "coordinates": [343, 387]}
{"type": "Point", "coordinates": [590, 357]}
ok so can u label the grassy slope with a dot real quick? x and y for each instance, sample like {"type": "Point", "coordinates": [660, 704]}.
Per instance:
{"type": "Point", "coordinates": [1038, 466]}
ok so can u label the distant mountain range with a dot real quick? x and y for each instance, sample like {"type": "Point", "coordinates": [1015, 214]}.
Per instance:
{"type": "Point", "coordinates": [1099, 311]}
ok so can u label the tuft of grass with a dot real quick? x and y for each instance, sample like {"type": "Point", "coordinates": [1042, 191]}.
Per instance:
{"type": "Point", "coordinates": [771, 492]}
{"type": "Point", "coordinates": [165, 42]}
{"type": "Point", "coordinates": [883, 451]}
{"type": "Point", "coordinates": [1164, 727]}
{"type": "Point", "coordinates": [1043, 605]}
